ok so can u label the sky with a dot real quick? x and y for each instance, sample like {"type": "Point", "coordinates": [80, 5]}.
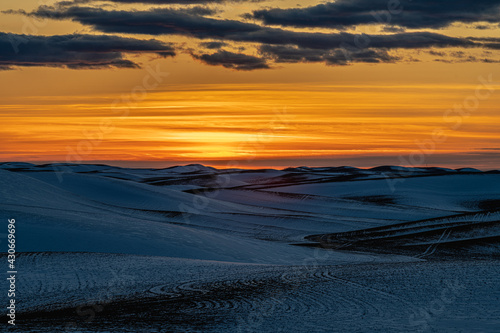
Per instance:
{"type": "Point", "coordinates": [249, 83]}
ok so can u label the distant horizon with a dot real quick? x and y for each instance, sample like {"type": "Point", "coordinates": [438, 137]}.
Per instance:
{"type": "Point", "coordinates": [165, 165]}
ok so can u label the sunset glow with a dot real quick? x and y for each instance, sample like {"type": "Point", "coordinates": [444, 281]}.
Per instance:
{"type": "Point", "coordinates": [363, 114]}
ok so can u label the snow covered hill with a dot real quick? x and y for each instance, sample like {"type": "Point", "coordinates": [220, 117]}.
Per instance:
{"type": "Point", "coordinates": [205, 249]}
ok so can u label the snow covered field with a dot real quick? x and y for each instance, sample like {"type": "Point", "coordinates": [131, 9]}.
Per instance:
{"type": "Point", "coordinates": [389, 249]}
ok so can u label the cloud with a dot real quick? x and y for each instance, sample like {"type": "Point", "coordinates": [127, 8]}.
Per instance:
{"type": "Point", "coordinates": [366, 56]}
{"type": "Point", "coordinates": [291, 54]}
{"type": "Point", "coordinates": [280, 45]}
{"type": "Point", "coordinates": [237, 61]}
{"type": "Point", "coordinates": [416, 14]}
{"type": "Point", "coordinates": [489, 42]}
{"type": "Point", "coordinates": [168, 21]}
{"type": "Point", "coordinates": [437, 53]}
{"type": "Point", "coordinates": [213, 45]}
{"type": "Point", "coordinates": [75, 51]}
{"type": "Point", "coordinates": [157, 21]}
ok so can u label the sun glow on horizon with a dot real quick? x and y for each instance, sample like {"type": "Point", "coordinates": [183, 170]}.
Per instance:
{"type": "Point", "coordinates": [317, 124]}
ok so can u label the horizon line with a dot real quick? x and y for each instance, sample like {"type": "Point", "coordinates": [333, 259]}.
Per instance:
{"type": "Point", "coordinates": [242, 167]}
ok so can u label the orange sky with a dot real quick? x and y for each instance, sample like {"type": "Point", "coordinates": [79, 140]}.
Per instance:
{"type": "Point", "coordinates": [296, 114]}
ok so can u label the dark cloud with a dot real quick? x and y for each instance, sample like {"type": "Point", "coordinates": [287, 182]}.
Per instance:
{"type": "Point", "coordinates": [488, 42]}
{"type": "Point", "coordinates": [213, 45]}
{"type": "Point", "coordinates": [482, 27]}
{"type": "Point", "coordinates": [198, 10]}
{"type": "Point", "coordinates": [461, 57]}
{"type": "Point", "coordinates": [237, 61]}
{"type": "Point", "coordinates": [339, 57]}
{"type": "Point", "coordinates": [278, 44]}
{"type": "Point", "coordinates": [405, 13]}
{"type": "Point", "coordinates": [168, 21]}
{"type": "Point", "coordinates": [437, 53]}
{"type": "Point", "coordinates": [157, 21]}
{"type": "Point", "coordinates": [291, 54]}
{"type": "Point", "coordinates": [75, 51]}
